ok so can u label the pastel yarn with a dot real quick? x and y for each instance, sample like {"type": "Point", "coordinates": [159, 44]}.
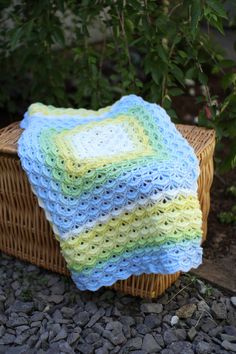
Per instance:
{"type": "Point", "coordinates": [119, 187]}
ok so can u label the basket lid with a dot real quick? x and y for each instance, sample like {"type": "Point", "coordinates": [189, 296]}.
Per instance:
{"type": "Point", "coordinates": [199, 138]}
{"type": "Point", "coordinates": [9, 137]}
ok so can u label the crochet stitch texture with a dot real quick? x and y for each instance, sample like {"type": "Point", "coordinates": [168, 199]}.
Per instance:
{"type": "Point", "coordinates": [119, 187]}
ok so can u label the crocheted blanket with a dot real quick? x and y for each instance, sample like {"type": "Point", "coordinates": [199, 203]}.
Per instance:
{"type": "Point", "coordinates": [119, 187]}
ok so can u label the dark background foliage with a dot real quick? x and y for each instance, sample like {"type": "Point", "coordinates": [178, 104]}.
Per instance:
{"type": "Point", "coordinates": [150, 48]}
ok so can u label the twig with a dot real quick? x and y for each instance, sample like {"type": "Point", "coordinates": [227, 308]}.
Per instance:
{"type": "Point", "coordinates": [174, 8]}
{"type": "Point", "coordinates": [199, 319]}
{"type": "Point", "coordinates": [186, 286]}
{"type": "Point", "coordinates": [206, 86]}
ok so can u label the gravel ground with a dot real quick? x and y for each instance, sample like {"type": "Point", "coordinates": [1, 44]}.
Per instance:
{"type": "Point", "coordinates": [42, 312]}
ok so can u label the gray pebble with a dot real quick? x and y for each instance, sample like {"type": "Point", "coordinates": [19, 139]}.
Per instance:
{"type": "Point", "coordinates": [3, 319]}
{"type": "Point", "coordinates": [24, 349]}
{"type": "Point", "coordinates": [57, 299]}
{"type": "Point", "coordinates": [192, 333]}
{"type": "Point", "coordinates": [218, 310]}
{"type": "Point", "coordinates": [203, 348]}
{"type": "Point", "coordinates": [114, 326]}
{"type": "Point", "coordinates": [61, 335]}
{"type": "Point", "coordinates": [207, 325]}
{"type": "Point", "coordinates": [25, 307]}
{"type": "Point", "coordinates": [16, 321]}
{"type": "Point", "coordinates": [8, 338]}
{"type": "Point", "coordinates": [37, 316]}
{"type": "Point", "coordinates": [65, 348]}
{"type": "Point", "coordinates": [215, 331]}
{"type": "Point", "coordinates": [150, 345]}
{"type": "Point", "coordinates": [116, 312]}
{"type": "Point", "coordinates": [58, 288]}
{"type": "Point", "coordinates": [180, 333]}
{"type": "Point", "coordinates": [159, 339]}
{"type": "Point", "coordinates": [181, 347]}
{"type": "Point", "coordinates": [85, 348]}
{"type": "Point", "coordinates": [143, 329]}
{"type": "Point", "coordinates": [101, 351]}
{"type": "Point", "coordinates": [2, 298]}
{"type": "Point", "coordinates": [115, 350]}
{"type": "Point", "coordinates": [229, 346]}
{"type": "Point", "coordinates": [67, 312]}
{"type": "Point", "coordinates": [35, 324]}
{"type": "Point", "coordinates": [92, 338]}
{"type": "Point", "coordinates": [151, 308]}
{"type": "Point", "coordinates": [231, 330]}
{"type": "Point", "coordinates": [73, 337]}
{"type": "Point", "coordinates": [152, 321]}
{"type": "Point", "coordinates": [169, 336]}
{"type": "Point", "coordinates": [127, 320]}
{"type": "Point", "coordinates": [22, 338]}
{"type": "Point", "coordinates": [57, 316]}
{"type": "Point", "coordinates": [81, 318]}
{"type": "Point", "coordinates": [228, 337]}
{"type": "Point", "coordinates": [168, 319]}
{"type": "Point", "coordinates": [2, 330]}
{"type": "Point", "coordinates": [134, 343]}
{"type": "Point", "coordinates": [91, 307]}
{"type": "Point", "coordinates": [114, 338]}
{"type": "Point", "coordinates": [100, 313]}
{"type": "Point", "coordinates": [98, 328]}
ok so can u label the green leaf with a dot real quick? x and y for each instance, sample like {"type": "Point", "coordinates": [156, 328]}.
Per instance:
{"type": "Point", "coordinates": [178, 74]}
{"type": "Point", "coordinates": [202, 78]}
{"type": "Point", "coordinates": [156, 76]}
{"type": "Point", "coordinates": [157, 71]}
{"type": "Point", "coordinates": [172, 115]}
{"type": "Point", "coordinates": [161, 52]}
{"type": "Point", "coordinates": [191, 73]}
{"type": "Point", "coordinates": [215, 22]}
{"type": "Point", "coordinates": [129, 25]}
{"type": "Point", "coordinates": [227, 63]}
{"type": "Point", "coordinates": [183, 54]}
{"type": "Point", "coordinates": [195, 15]}
{"type": "Point", "coordinates": [58, 36]}
{"type": "Point", "coordinates": [175, 91]}
{"type": "Point", "coordinates": [15, 37]}
{"type": "Point", "coordinates": [218, 7]}
{"type": "Point", "coordinates": [228, 80]}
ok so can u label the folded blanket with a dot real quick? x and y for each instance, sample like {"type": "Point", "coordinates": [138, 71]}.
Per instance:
{"type": "Point", "coordinates": [119, 187]}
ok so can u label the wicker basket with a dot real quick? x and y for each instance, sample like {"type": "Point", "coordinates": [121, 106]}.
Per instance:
{"type": "Point", "coordinates": [25, 233]}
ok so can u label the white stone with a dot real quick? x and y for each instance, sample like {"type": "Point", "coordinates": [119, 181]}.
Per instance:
{"type": "Point", "coordinates": [174, 320]}
{"type": "Point", "coordinates": [233, 300]}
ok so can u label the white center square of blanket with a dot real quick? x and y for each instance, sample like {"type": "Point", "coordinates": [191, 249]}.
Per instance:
{"type": "Point", "coordinates": [106, 140]}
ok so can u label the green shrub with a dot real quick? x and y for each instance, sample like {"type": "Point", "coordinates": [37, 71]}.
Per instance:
{"type": "Point", "coordinates": [148, 48]}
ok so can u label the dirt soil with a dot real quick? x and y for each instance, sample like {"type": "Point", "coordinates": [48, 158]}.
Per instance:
{"type": "Point", "coordinates": [219, 250]}
{"type": "Point", "coordinates": [221, 239]}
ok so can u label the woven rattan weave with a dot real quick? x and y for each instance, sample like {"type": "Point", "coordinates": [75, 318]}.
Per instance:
{"type": "Point", "coordinates": [25, 233]}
